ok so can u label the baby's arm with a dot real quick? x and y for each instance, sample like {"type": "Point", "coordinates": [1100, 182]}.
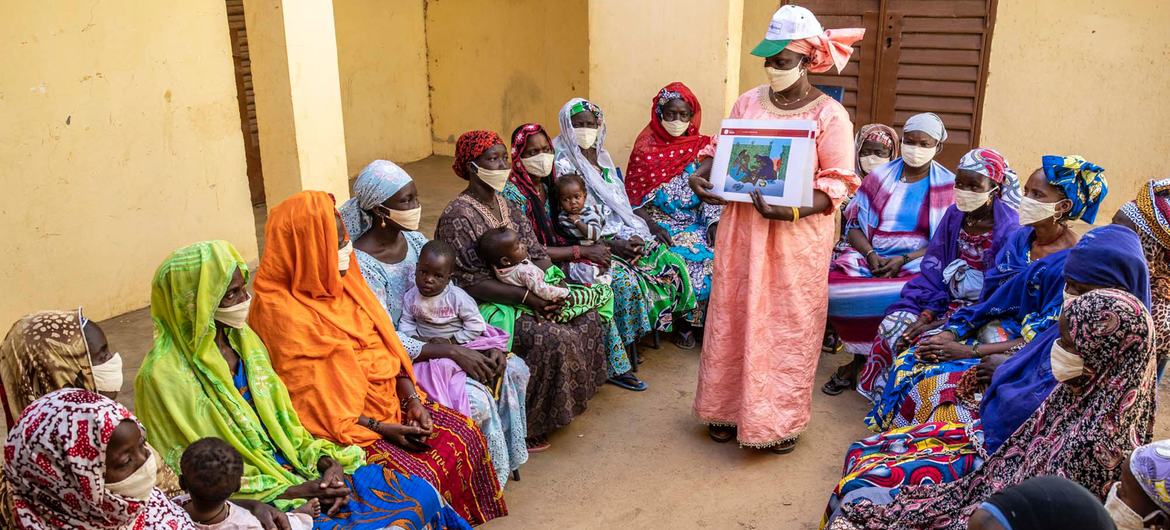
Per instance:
{"type": "Point", "coordinates": [406, 324]}
{"type": "Point", "coordinates": [468, 311]}
{"type": "Point", "coordinates": [543, 289]}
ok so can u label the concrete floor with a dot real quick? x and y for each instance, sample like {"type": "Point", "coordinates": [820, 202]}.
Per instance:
{"type": "Point", "coordinates": [638, 459]}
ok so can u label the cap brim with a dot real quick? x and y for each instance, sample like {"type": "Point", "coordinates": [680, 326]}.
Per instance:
{"type": "Point", "coordinates": [768, 48]}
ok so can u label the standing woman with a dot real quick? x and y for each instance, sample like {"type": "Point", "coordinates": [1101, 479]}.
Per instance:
{"type": "Point", "coordinates": [887, 228]}
{"type": "Point", "coordinates": [772, 263]}
{"type": "Point", "coordinates": [662, 274]}
{"type": "Point", "coordinates": [664, 156]}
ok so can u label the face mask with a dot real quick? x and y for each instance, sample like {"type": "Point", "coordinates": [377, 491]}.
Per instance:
{"type": "Point", "coordinates": [1033, 211]}
{"type": "Point", "coordinates": [539, 165]}
{"type": "Point", "coordinates": [915, 156]}
{"type": "Point", "coordinates": [1068, 299]}
{"type": "Point", "coordinates": [780, 80]}
{"type": "Point", "coordinates": [107, 377]}
{"type": "Point", "coordinates": [1066, 366]}
{"type": "Point", "coordinates": [139, 484]}
{"type": "Point", "coordinates": [495, 178]}
{"type": "Point", "coordinates": [676, 127]}
{"type": "Point", "coordinates": [407, 219]}
{"type": "Point", "coordinates": [871, 162]}
{"type": "Point", "coordinates": [585, 137]}
{"type": "Point", "coordinates": [343, 256]}
{"type": "Point", "coordinates": [234, 316]}
{"type": "Point", "coordinates": [969, 201]}
{"type": "Point", "coordinates": [1124, 516]}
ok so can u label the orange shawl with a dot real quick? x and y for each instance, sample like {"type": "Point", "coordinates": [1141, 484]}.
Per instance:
{"type": "Point", "coordinates": [308, 316]}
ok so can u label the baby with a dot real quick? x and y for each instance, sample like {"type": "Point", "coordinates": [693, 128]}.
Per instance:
{"type": "Point", "coordinates": [436, 311]}
{"type": "Point", "coordinates": [583, 222]}
{"type": "Point", "coordinates": [211, 471]}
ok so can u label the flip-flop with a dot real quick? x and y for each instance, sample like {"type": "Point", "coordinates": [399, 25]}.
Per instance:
{"type": "Point", "coordinates": [721, 434]}
{"type": "Point", "coordinates": [784, 448]}
{"type": "Point", "coordinates": [837, 385]}
{"type": "Point", "coordinates": [628, 381]}
{"type": "Point", "coordinates": [686, 340]}
{"type": "Point", "coordinates": [537, 447]}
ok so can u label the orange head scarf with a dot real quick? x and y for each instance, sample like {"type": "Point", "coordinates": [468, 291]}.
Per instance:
{"type": "Point", "coordinates": [317, 325]}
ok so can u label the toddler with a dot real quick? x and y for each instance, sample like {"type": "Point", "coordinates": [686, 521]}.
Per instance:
{"type": "Point", "coordinates": [436, 311]}
{"type": "Point", "coordinates": [582, 222]}
{"type": "Point", "coordinates": [211, 471]}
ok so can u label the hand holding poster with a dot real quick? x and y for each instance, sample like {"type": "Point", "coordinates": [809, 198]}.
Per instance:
{"type": "Point", "coordinates": [773, 156]}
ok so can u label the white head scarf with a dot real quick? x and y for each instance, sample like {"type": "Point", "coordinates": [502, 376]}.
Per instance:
{"type": "Point", "coordinates": [379, 181]}
{"type": "Point", "coordinates": [571, 160]}
{"type": "Point", "coordinates": [927, 122]}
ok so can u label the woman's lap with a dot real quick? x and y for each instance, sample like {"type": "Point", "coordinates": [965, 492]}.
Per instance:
{"type": "Point", "coordinates": [381, 497]}
{"type": "Point", "coordinates": [568, 365]}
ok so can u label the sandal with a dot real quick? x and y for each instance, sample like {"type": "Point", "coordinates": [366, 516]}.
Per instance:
{"type": "Point", "coordinates": [537, 444]}
{"type": "Point", "coordinates": [784, 448]}
{"type": "Point", "coordinates": [628, 381]}
{"type": "Point", "coordinates": [832, 343]}
{"type": "Point", "coordinates": [720, 433]}
{"type": "Point", "coordinates": [837, 385]}
{"type": "Point", "coordinates": [686, 340]}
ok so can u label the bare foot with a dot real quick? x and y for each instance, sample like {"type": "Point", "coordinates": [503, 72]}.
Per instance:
{"type": "Point", "coordinates": [311, 508]}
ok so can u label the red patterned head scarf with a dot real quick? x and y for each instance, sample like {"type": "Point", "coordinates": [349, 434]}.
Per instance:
{"type": "Point", "coordinates": [657, 156]}
{"type": "Point", "coordinates": [538, 215]}
{"type": "Point", "coordinates": [470, 145]}
{"type": "Point", "coordinates": [55, 460]}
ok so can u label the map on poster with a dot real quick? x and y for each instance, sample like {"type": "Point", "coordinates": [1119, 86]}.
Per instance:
{"type": "Point", "coordinates": [773, 156]}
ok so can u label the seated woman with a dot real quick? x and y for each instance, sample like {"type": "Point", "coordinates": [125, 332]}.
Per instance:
{"type": "Point", "coordinates": [209, 375]}
{"type": "Point", "coordinates": [382, 221]}
{"type": "Point", "coordinates": [567, 360]}
{"type": "Point", "coordinates": [664, 156]}
{"type": "Point", "coordinates": [1149, 216]}
{"type": "Point", "coordinates": [349, 378]}
{"type": "Point", "coordinates": [888, 226]}
{"type": "Point", "coordinates": [877, 145]}
{"type": "Point", "coordinates": [940, 452]}
{"type": "Point", "coordinates": [78, 460]}
{"type": "Point", "coordinates": [967, 239]}
{"type": "Point", "coordinates": [662, 274]}
{"type": "Point", "coordinates": [1140, 499]}
{"type": "Point", "coordinates": [1102, 409]}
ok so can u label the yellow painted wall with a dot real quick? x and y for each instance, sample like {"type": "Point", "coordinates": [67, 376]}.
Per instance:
{"type": "Point", "coordinates": [497, 64]}
{"type": "Point", "coordinates": [756, 16]}
{"type": "Point", "coordinates": [1091, 79]}
{"type": "Point", "coordinates": [647, 46]}
{"type": "Point", "coordinates": [382, 59]}
{"type": "Point", "coordinates": [121, 142]}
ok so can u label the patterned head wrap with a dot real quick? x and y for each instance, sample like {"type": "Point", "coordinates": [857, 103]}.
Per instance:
{"type": "Point", "coordinates": [1083, 183]}
{"type": "Point", "coordinates": [879, 133]}
{"type": "Point", "coordinates": [56, 462]}
{"type": "Point", "coordinates": [377, 182]}
{"type": "Point", "coordinates": [927, 122]}
{"type": "Point", "coordinates": [539, 216]}
{"type": "Point", "coordinates": [829, 49]}
{"type": "Point", "coordinates": [657, 157]}
{"type": "Point", "coordinates": [1150, 465]}
{"type": "Point", "coordinates": [1151, 211]}
{"type": "Point", "coordinates": [43, 352]}
{"type": "Point", "coordinates": [991, 164]}
{"type": "Point", "coordinates": [470, 145]}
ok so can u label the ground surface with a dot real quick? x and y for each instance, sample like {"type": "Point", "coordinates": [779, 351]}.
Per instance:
{"type": "Point", "coordinates": [639, 460]}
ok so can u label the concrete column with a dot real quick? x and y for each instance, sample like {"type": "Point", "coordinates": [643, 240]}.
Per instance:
{"type": "Point", "coordinates": [638, 46]}
{"type": "Point", "coordinates": [293, 49]}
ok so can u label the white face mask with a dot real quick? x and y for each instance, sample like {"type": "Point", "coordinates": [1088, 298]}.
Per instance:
{"type": "Point", "coordinates": [343, 256]}
{"type": "Point", "coordinates": [676, 127]}
{"type": "Point", "coordinates": [969, 201]}
{"type": "Point", "coordinates": [139, 484]}
{"type": "Point", "coordinates": [1124, 516]}
{"type": "Point", "coordinates": [780, 80]}
{"type": "Point", "coordinates": [915, 156]}
{"type": "Point", "coordinates": [1033, 211]}
{"type": "Point", "coordinates": [107, 377]}
{"type": "Point", "coordinates": [539, 165]}
{"type": "Point", "coordinates": [1066, 365]}
{"type": "Point", "coordinates": [871, 162]}
{"type": "Point", "coordinates": [585, 137]}
{"type": "Point", "coordinates": [235, 316]}
{"type": "Point", "coordinates": [407, 219]}
{"type": "Point", "coordinates": [494, 178]}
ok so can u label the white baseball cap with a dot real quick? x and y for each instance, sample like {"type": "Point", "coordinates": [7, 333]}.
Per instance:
{"type": "Point", "coordinates": [788, 23]}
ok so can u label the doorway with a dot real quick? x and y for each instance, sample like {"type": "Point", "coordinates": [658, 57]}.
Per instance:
{"type": "Point", "coordinates": [238, 34]}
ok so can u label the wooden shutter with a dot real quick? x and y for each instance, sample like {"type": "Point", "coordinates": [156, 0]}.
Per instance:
{"type": "Point", "coordinates": [246, 98]}
{"type": "Point", "coordinates": [917, 56]}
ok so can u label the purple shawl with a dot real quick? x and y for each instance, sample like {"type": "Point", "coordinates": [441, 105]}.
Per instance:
{"type": "Point", "coordinates": [927, 291]}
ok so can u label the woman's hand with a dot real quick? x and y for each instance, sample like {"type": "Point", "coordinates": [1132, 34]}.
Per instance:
{"type": "Point", "coordinates": [417, 415]}
{"type": "Point", "coordinates": [914, 330]}
{"type": "Point", "coordinates": [498, 360]}
{"type": "Point", "coordinates": [543, 308]}
{"type": "Point", "coordinates": [661, 234]}
{"type": "Point", "coordinates": [702, 188]}
{"type": "Point", "coordinates": [473, 363]}
{"type": "Point", "coordinates": [876, 263]}
{"type": "Point", "coordinates": [408, 437]}
{"type": "Point", "coordinates": [987, 368]}
{"type": "Point", "coordinates": [947, 351]}
{"type": "Point", "coordinates": [333, 475]}
{"type": "Point", "coordinates": [712, 231]}
{"type": "Point", "coordinates": [598, 254]}
{"type": "Point", "coordinates": [626, 249]}
{"type": "Point", "coordinates": [890, 267]}
{"type": "Point", "coordinates": [328, 493]}
{"type": "Point", "coordinates": [775, 213]}
{"type": "Point", "coordinates": [270, 518]}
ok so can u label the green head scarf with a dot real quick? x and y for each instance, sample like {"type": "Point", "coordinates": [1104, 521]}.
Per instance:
{"type": "Point", "coordinates": [184, 390]}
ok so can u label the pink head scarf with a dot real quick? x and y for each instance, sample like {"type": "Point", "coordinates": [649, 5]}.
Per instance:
{"type": "Point", "coordinates": [829, 49]}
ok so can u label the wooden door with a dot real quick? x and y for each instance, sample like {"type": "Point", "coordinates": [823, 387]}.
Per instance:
{"type": "Point", "coordinates": [917, 56]}
{"type": "Point", "coordinates": [238, 35]}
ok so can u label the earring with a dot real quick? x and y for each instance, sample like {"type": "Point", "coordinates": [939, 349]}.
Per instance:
{"type": "Point", "coordinates": [382, 222]}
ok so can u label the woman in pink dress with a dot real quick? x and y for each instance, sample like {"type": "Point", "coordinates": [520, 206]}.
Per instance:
{"type": "Point", "coordinates": [769, 295]}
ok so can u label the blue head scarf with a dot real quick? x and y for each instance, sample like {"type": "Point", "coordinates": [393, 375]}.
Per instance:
{"type": "Point", "coordinates": [1110, 256]}
{"type": "Point", "coordinates": [377, 182]}
{"type": "Point", "coordinates": [1083, 183]}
